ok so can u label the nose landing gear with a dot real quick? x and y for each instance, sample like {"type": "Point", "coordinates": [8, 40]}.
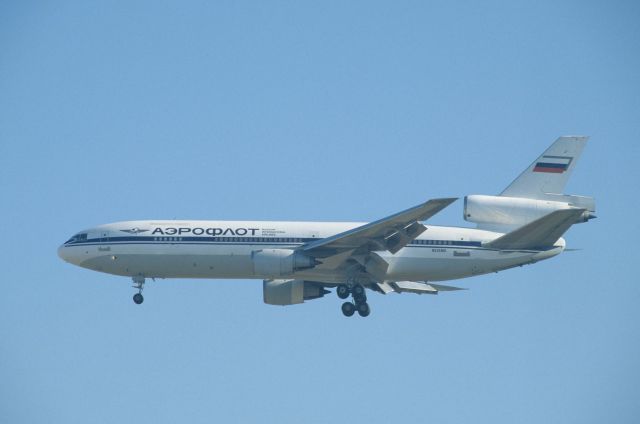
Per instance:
{"type": "Point", "coordinates": [138, 283]}
{"type": "Point", "coordinates": [359, 303]}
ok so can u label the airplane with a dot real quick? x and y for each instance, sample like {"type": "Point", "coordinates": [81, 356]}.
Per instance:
{"type": "Point", "coordinates": [301, 261]}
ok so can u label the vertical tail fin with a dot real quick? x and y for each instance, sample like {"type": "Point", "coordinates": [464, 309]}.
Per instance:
{"type": "Point", "coordinates": [550, 172]}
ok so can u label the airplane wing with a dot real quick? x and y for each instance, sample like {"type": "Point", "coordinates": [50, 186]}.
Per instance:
{"type": "Point", "coordinates": [539, 234]}
{"type": "Point", "coordinates": [391, 233]}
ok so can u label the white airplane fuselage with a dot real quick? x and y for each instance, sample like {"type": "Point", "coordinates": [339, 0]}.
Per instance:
{"type": "Point", "coordinates": [225, 249]}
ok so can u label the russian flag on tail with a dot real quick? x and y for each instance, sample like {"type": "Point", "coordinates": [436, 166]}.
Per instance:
{"type": "Point", "coordinates": [553, 164]}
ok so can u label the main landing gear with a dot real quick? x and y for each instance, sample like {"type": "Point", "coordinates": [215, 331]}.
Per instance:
{"type": "Point", "coordinates": [359, 303]}
{"type": "Point", "coordinates": [138, 283]}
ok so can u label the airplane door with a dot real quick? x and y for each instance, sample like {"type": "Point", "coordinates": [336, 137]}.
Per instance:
{"type": "Point", "coordinates": [103, 236]}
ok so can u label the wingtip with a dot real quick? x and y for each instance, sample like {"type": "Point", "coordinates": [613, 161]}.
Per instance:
{"type": "Point", "coordinates": [576, 137]}
{"type": "Point", "coordinates": [444, 201]}
{"type": "Point", "coordinates": [447, 200]}
{"type": "Point", "coordinates": [440, 287]}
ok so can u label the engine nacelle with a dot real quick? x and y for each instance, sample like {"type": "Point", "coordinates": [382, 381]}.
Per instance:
{"type": "Point", "coordinates": [516, 211]}
{"type": "Point", "coordinates": [274, 263]}
{"type": "Point", "coordinates": [290, 292]}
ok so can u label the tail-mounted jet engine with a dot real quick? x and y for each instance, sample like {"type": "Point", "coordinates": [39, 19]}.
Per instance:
{"type": "Point", "coordinates": [516, 211]}
{"type": "Point", "coordinates": [273, 263]}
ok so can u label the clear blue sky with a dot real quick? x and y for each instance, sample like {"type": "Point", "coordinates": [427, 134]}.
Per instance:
{"type": "Point", "coordinates": [313, 111]}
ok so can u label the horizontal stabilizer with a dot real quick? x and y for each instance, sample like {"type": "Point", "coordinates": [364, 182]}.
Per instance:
{"type": "Point", "coordinates": [414, 287]}
{"type": "Point", "coordinates": [539, 234]}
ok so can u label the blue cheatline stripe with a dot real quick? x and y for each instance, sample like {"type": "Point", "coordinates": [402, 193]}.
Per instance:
{"type": "Point", "coordinates": [246, 240]}
{"type": "Point", "coordinates": [472, 245]}
{"type": "Point", "coordinates": [178, 239]}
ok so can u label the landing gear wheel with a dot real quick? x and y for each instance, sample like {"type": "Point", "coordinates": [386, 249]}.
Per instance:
{"type": "Point", "coordinates": [357, 290]}
{"type": "Point", "coordinates": [342, 291]}
{"type": "Point", "coordinates": [363, 309]}
{"type": "Point", "coordinates": [137, 298]}
{"type": "Point", "coordinates": [348, 309]}
{"type": "Point", "coordinates": [138, 283]}
{"type": "Point", "coordinates": [359, 299]}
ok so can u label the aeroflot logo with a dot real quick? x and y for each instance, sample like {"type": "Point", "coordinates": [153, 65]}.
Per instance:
{"type": "Point", "coordinates": [134, 231]}
{"type": "Point", "coordinates": [198, 231]}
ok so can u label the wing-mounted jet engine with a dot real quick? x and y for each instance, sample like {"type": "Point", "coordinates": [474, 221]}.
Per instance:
{"type": "Point", "coordinates": [291, 292]}
{"type": "Point", "coordinates": [274, 263]}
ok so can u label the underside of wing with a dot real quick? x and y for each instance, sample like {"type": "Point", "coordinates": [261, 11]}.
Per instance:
{"type": "Point", "coordinates": [416, 287]}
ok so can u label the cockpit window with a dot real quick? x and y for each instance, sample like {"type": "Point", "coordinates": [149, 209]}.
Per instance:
{"type": "Point", "coordinates": [77, 237]}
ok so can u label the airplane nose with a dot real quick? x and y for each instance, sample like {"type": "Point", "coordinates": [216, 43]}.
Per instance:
{"type": "Point", "coordinates": [61, 252]}
{"type": "Point", "coordinates": [67, 254]}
